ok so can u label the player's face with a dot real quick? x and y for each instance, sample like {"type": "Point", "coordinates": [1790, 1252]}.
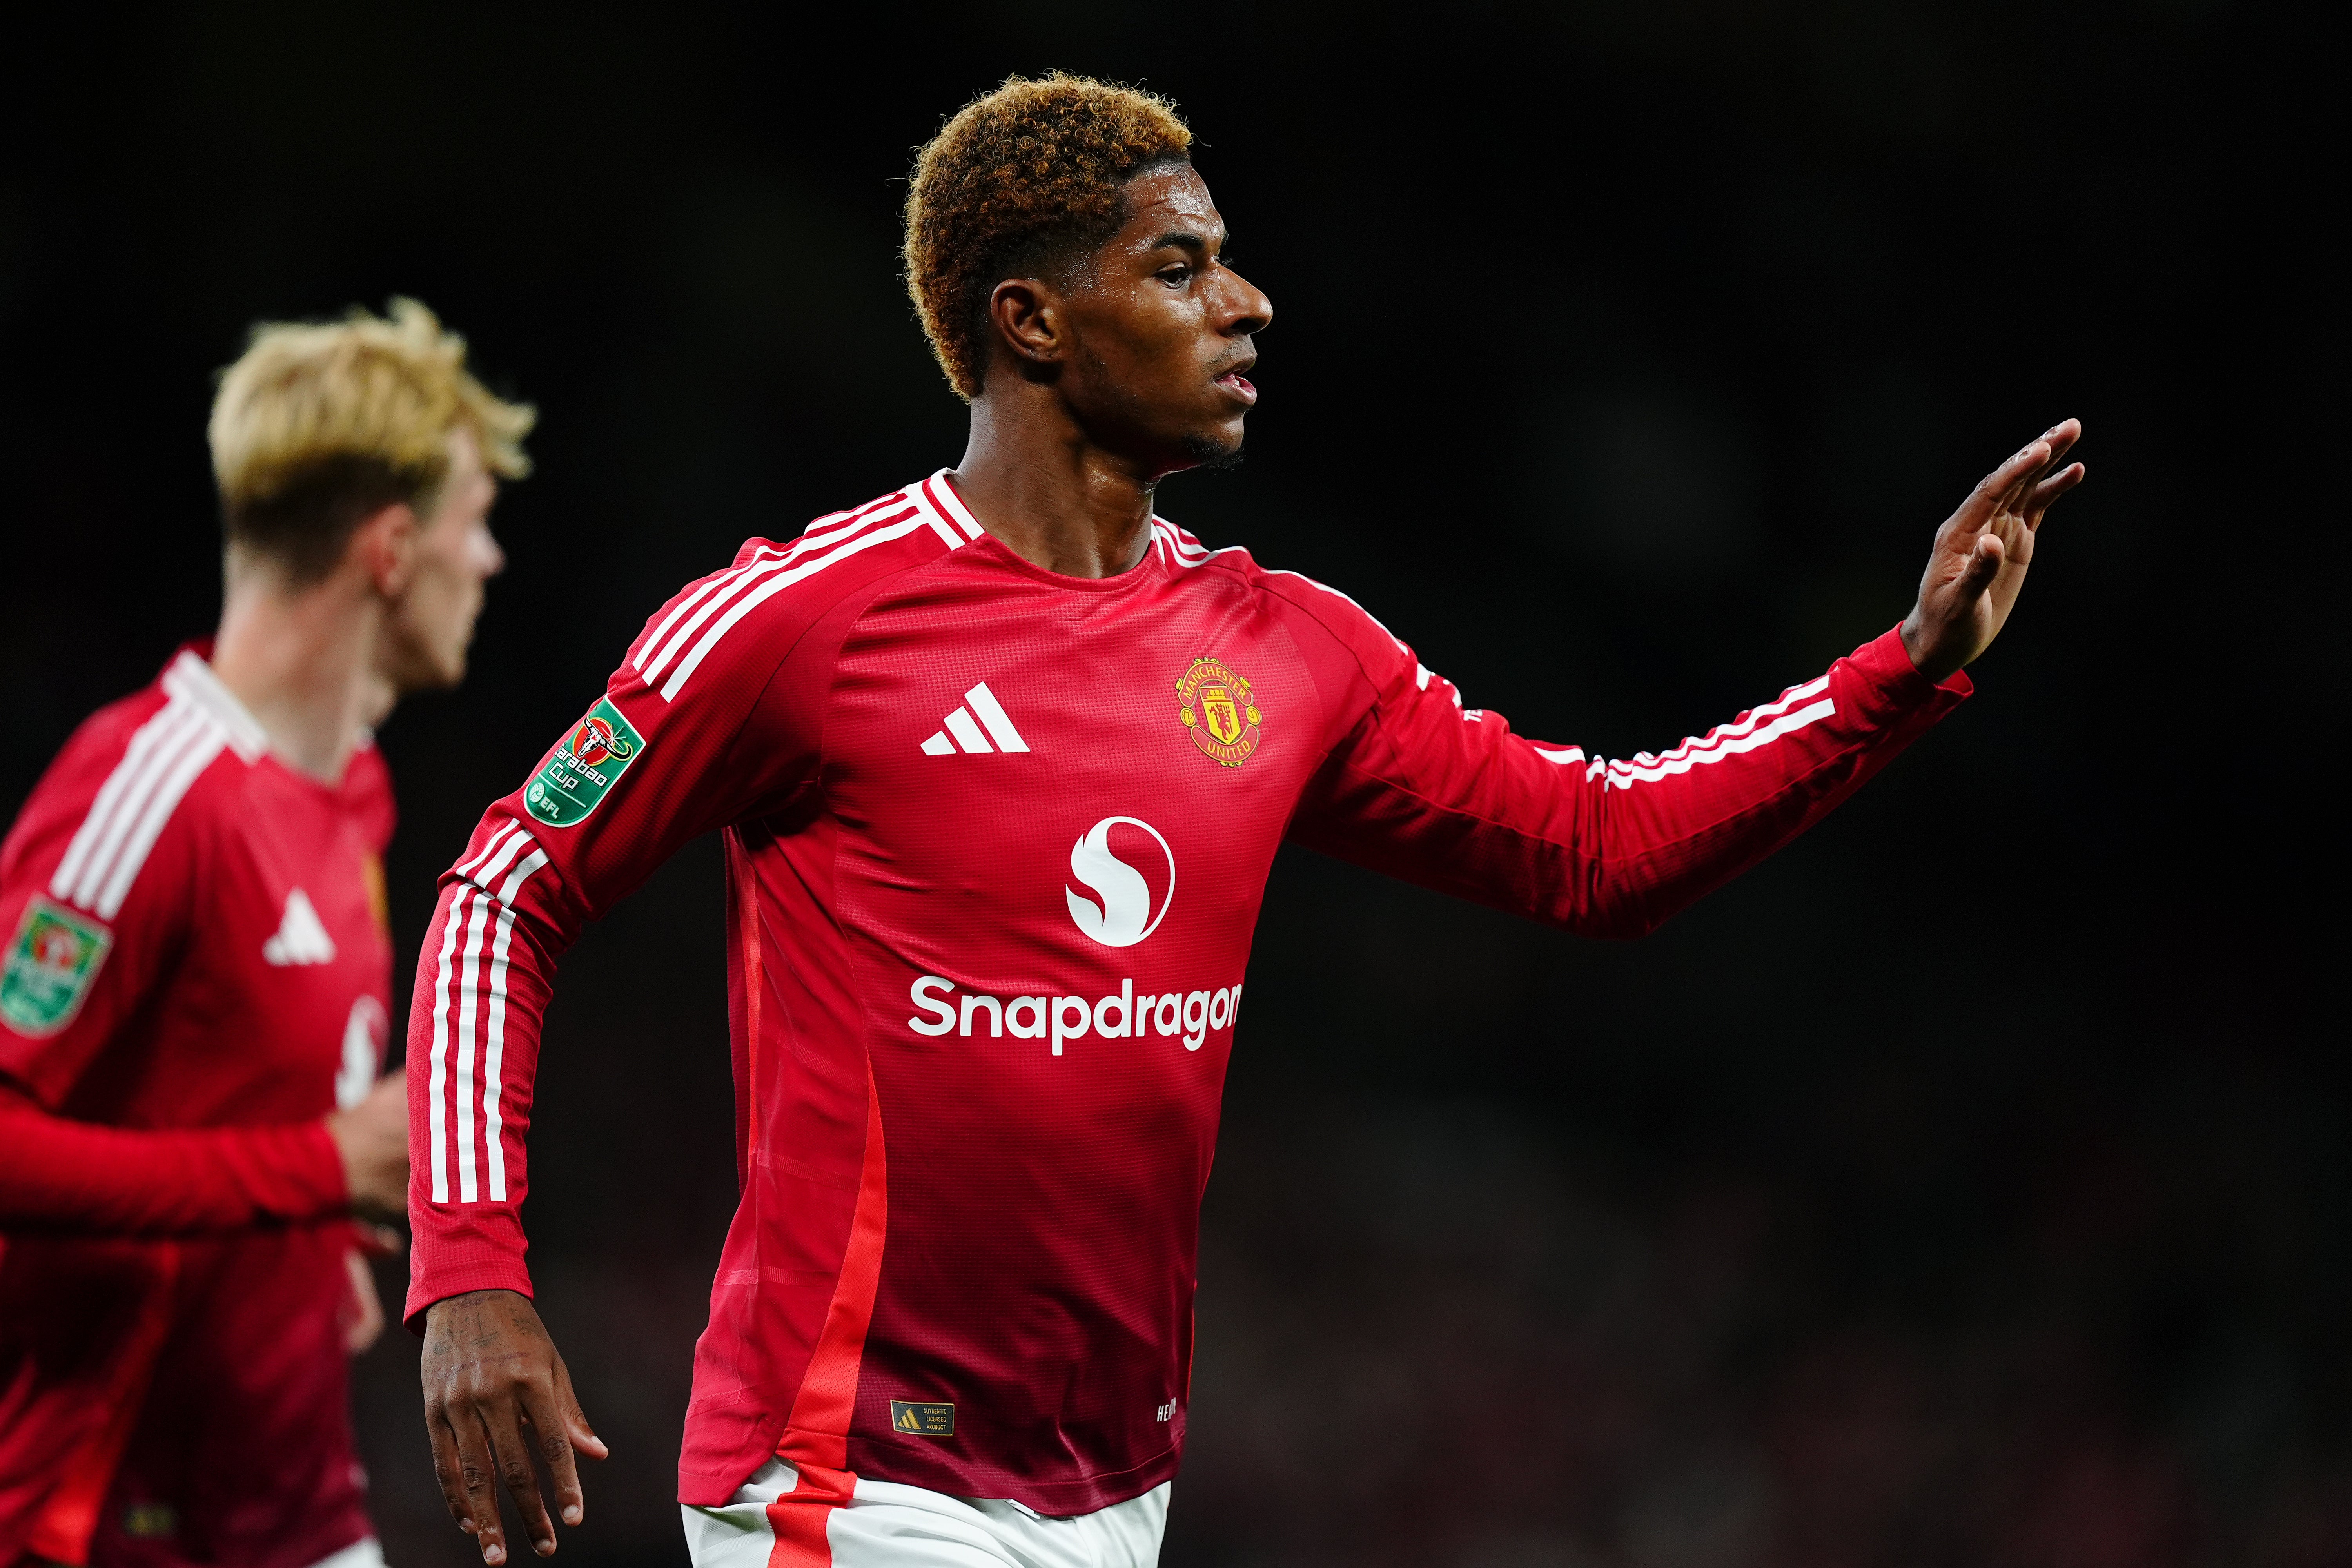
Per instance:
{"type": "Point", "coordinates": [432, 619]}
{"type": "Point", "coordinates": [1163, 329]}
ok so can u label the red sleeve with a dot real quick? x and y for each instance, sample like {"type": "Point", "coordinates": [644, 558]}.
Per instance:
{"type": "Point", "coordinates": [1419, 787]}
{"type": "Point", "coordinates": [57, 1175]}
{"type": "Point", "coordinates": [97, 880]}
{"type": "Point", "coordinates": [85, 956]}
{"type": "Point", "coordinates": [715, 716]}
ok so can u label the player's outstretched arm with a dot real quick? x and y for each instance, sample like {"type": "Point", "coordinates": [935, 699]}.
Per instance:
{"type": "Point", "coordinates": [496, 1393]}
{"type": "Point", "coordinates": [1981, 554]}
{"type": "Point", "coordinates": [1423, 787]}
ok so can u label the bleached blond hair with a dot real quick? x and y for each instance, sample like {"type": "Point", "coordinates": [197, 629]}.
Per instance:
{"type": "Point", "coordinates": [320, 424]}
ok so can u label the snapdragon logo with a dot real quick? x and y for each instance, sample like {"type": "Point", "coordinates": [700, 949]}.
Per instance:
{"type": "Point", "coordinates": [1119, 914]}
{"type": "Point", "coordinates": [1189, 1016]}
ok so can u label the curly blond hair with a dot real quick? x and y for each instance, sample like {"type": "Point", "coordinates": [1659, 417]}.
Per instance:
{"type": "Point", "coordinates": [319, 423]}
{"type": "Point", "coordinates": [1016, 182]}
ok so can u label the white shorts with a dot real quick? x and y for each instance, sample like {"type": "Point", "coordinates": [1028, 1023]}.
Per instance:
{"type": "Point", "coordinates": [364, 1552]}
{"type": "Point", "coordinates": [886, 1525]}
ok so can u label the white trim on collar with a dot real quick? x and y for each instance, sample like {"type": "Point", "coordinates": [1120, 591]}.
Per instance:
{"type": "Point", "coordinates": [191, 681]}
{"type": "Point", "coordinates": [943, 496]}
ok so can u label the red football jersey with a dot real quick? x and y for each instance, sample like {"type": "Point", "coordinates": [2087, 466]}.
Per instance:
{"type": "Point", "coordinates": [996, 842]}
{"type": "Point", "coordinates": [199, 942]}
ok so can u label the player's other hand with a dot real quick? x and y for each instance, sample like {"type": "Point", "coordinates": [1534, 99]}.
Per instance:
{"type": "Point", "coordinates": [496, 1394]}
{"type": "Point", "coordinates": [361, 1317]}
{"type": "Point", "coordinates": [1982, 551]}
{"type": "Point", "coordinates": [373, 1139]}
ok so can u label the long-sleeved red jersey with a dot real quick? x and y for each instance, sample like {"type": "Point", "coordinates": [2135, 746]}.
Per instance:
{"type": "Point", "coordinates": [199, 969]}
{"type": "Point", "coordinates": [996, 840]}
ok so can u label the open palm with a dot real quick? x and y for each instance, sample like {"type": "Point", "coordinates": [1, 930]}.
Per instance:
{"type": "Point", "coordinates": [1981, 554]}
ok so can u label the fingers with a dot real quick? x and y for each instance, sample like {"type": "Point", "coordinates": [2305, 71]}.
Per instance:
{"type": "Point", "coordinates": [378, 1240]}
{"type": "Point", "coordinates": [1984, 565]}
{"type": "Point", "coordinates": [388, 1096]}
{"type": "Point", "coordinates": [448, 1470]}
{"type": "Point", "coordinates": [2049, 490]}
{"type": "Point", "coordinates": [2062, 438]}
{"type": "Point", "coordinates": [2011, 486]}
{"type": "Point", "coordinates": [552, 1432]}
{"type": "Point", "coordinates": [365, 1323]}
{"type": "Point", "coordinates": [496, 1394]}
{"type": "Point", "coordinates": [468, 1484]}
{"type": "Point", "coordinates": [583, 1437]}
{"type": "Point", "coordinates": [506, 1432]}
{"type": "Point", "coordinates": [1995, 492]}
{"type": "Point", "coordinates": [373, 1140]}
{"type": "Point", "coordinates": [2059, 438]}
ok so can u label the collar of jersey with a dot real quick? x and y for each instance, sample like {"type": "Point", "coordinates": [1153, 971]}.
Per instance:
{"type": "Point", "coordinates": [192, 680]}
{"type": "Point", "coordinates": [1147, 570]}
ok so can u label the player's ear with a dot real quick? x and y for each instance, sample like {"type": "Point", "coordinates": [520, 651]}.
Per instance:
{"type": "Point", "coordinates": [1027, 316]}
{"type": "Point", "coordinates": [386, 546]}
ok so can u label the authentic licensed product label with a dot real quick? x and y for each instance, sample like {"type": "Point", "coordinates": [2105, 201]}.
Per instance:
{"type": "Point", "coordinates": [51, 963]}
{"type": "Point", "coordinates": [589, 762]}
{"type": "Point", "coordinates": [922, 1420]}
{"type": "Point", "coordinates": [1219, 711]}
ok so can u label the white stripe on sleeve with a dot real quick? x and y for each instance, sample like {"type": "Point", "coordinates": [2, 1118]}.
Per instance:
{"type": "Point", "coordinates": [156, 733]}
{"type": "Point", "coordinates": [1625, 775]}
{"type": "Point", "coordinates": [438, 1114]}
{"type": "Point", "coordinates": [776, 584]}
{"type": "Point", "coordinates": [466, 866]}
{"type": "Point", "coordinates": [172, 730]}
{"type": "Point", "coordinates": [663, 646]}
{"type": "Point", "coordinates": [467, 1192]}
{"type": "Point", "coordinates": [494, 1054]}
{"type": "Point", "coordinates": [192, 758]}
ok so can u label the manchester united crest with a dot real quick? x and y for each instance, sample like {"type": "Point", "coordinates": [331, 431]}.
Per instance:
{"type": "Point", "coordinates": [1218, 710]}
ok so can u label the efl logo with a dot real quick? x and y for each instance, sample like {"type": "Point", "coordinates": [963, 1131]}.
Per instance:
{"type": "Point", "coordinates": [1120, 913]}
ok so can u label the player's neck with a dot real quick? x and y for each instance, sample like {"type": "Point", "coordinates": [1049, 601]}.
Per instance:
{"type": "Point", "coordinates": [1050, 495]}
{"type": "Point", "coordinates": [304, 663]}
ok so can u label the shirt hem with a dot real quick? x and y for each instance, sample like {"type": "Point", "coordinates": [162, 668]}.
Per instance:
{"type": "Point", "coordinates": [1054, 1499]}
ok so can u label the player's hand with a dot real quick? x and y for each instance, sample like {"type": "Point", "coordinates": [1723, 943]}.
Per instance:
{"type": "Point", "coordinates": [361, 1317]}
{"type": "Point", "coordinates": [1982, 553]}
{"type": "Point", "coordinates": [495, 1394]}
{"type": "Point", "coordinates": [373, 1139]}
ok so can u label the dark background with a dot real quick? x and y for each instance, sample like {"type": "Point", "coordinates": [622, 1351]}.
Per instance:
{"type": "Point", "coordinates": [1968, 1185]}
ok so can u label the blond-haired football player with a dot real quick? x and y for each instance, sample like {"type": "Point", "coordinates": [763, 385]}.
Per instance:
{"type": "Point", "coordinates": [194, 1004]}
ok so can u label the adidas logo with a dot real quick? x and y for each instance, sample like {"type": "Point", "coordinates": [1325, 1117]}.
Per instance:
{"type": "Point", "coordinates": [966, 729]}
{"type": "Point", "coordinates": [301, 935]}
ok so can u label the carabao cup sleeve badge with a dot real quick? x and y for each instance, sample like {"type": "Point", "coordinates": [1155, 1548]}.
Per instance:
{"type": "Point", "coordinates": [1218, 710]}
{"type": "Point", "coordinates": [583, 768]}
{"type": "Point", "coordinates": [55, 957]}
